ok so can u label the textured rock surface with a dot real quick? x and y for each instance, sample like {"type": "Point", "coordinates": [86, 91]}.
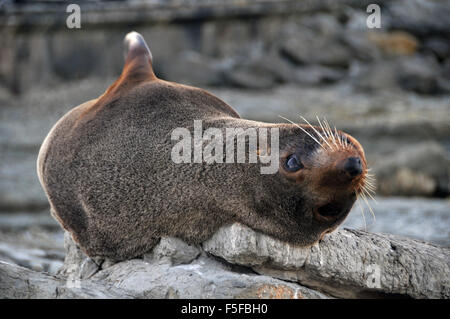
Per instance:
{"type": "Point", "coordinates": [172, 270]}
{"type": "Point", "coordinates": [345, 264]}
{"type": "Point", "coordinates": [240, 263]}
{"type": "Point", "coordinates": [20, 283]}
{"type": "Point", "coordinates": [404, 172]}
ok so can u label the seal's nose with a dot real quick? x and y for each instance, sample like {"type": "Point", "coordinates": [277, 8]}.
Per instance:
{"type": "Point", "coordinates": [353, 166]}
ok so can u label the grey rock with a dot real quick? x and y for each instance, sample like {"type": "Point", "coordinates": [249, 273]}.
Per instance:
{"type": "Point", "coordinates": [324, 24]}
{"type": "Point", "coordinates": [194, 69]}
{"type": "Point", "coordinates": [316, 74]}
{"type": "Point", "coordinates": [88, 268]}
{"type": "Point", "coordinates": [74, 257]}
{"type": "Point", "coordinates": [419, 74]}
{"type": "Point", "coordinates": [204, 278]}
{"type": "Point", "coordinates": [415, 73]}
{"type": "Point", "coordinates": [420, 17]}
{"type": "Point", "coordinates": [32, 258]}
{"type": "Point", "coordinates": [20, 283]}
{"type": "Point", "coordinates": [174, 251]}
{"type": "Point", "coordinates": [308, 47]}
{"type": "Point", "coordinates": [418, 170]}
{"type": "Point", "coordinates": [439, 46]}
{"type": "Point", "coordinates": [360, 45]}
{"type": "Point", "coordinates": [345, 264]}
{"type": "Point", "coordinates": [251, 77]}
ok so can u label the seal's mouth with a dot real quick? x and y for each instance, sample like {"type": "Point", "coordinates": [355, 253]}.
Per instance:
{"type": "Point", "coordinates": [329, 210]}
{"type": "Point", "coordinates": [334, 210]}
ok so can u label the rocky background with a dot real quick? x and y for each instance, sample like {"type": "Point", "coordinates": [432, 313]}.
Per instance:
{"type": "Point", "coordinates": [388, 87]}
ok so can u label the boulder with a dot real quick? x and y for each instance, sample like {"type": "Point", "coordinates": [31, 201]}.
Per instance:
{"type": "Point", "coordinates": [417, 170]}
{"type": "Point", "coordinates": [238, 262]}
{"type": "Point", "coordinates": [309, 47]}
{"type": "Point", "coordinates": [347, 263]}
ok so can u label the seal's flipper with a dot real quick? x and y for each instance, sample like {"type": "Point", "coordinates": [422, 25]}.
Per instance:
{"type": "Point", "coordinates": [137, 69]}
{"type": "Point", "coordinates": [135, 46]}
{"type": "Point", "coordinates": [138, 58]}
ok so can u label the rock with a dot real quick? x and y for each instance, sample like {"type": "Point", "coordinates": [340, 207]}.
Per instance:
{"type": "Point", "coordinates": [347, 263]}
{"type": "Point", "coordinates": [316, 74]}
{"type": "Point", "coordinates": [419, 74]}
{"type": "Point", "coordinates": [238, 262]}
{"type": "Point", "coordinates": [31, 241]}
{"type": "Point", "coordinates": [444, 78]}
{"type": "Point", "coordinates": [184, 276]}
{"type": "Point", "coordinates": [174, 251]}
{"type": "Point", "coordinates": [251, 77]}
{"type": "Point", "coordinates": [20, 283]}
{"type": "Point", "coordinates": [274, 65]}
{"type": "Point", "coordinates": [418, 170]}
{"type": "Point", "coordinates": [360, 46]}
{"type": "Point", "coordinates": [324, 24]}
{"type": "Point", "coordinates": [421, 18]}
{"type": "Point", "coordinates": [415, 73]}
{"type": "Point", "coordinates": [32, 258]}
{"type": "Point", "coordinates": [194, 69]}
{"type": "Point", "coordinates": [204, 278]}
{"type": "Point", "coordinates": [394, 43]}
{"type": "Point", "coordinates": [439, 46]}
{"type": "Point", "coordinates": [308, 47]}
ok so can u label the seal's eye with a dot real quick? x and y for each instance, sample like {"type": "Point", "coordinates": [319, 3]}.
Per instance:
{"type": "Point", "coordinates": [293, 164]}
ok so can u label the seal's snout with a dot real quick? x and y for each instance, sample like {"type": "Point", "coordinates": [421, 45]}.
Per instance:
{"type": "Point", "coordinates": [353, 166]}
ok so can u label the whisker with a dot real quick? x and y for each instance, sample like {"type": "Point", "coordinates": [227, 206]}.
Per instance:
{"type": "Point", "coordinates": [334, 134]}
{"type": "Point", "coordinates": [337, 135]}
{"type": "Point", "coordinates": [323, 129]}
{"type": "Point", "coordinates": [330, 132]}
{"type": "Point", "coordinates": [369, 186]}
{"type": "Point", "coordinates": [362, 214]}
{"type": "Point", "coordinates": [328, 127]}
{"type": "Point", "coordinates": [368, 194]}
{"type": "Point", "coordinates": [368, 205]}
{"type": "Point", "coordinates": [317, 132]}
{"type": "Point", "coordinates": [303, 130]}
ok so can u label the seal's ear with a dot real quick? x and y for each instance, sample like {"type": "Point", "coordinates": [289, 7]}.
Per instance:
{"type": "Point", "coordinates": [138, 58]}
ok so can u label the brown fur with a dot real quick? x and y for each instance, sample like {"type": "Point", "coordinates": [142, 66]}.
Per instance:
{"type": "Point", "coordinates": [108, 175]}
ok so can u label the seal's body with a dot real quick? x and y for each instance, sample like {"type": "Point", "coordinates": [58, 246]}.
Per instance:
{"type": "Point", "coordinates": [107, 171]}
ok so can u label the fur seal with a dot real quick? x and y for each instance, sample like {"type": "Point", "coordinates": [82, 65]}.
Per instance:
{"type": "Point", "coordinates": [106, 169]}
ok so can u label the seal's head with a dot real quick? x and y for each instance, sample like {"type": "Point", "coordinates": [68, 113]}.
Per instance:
{"type": "Point", "coordinates": [324, 171]}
